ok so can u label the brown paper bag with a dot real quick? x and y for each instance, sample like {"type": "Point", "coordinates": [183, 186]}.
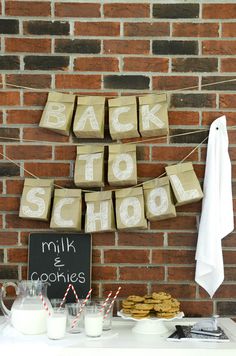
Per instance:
{"type": "Point", "coordinates": [123, 117]}
{"type": "Point", "coordinates": [67, 210]}
{"type": "Point", "coordinates": [99, 212]}
{"type": "Point", "coordinates": [36, 199]}
{"type": "Point", "coordinates": [153, 115]}
{"type": "Point", "coordinates": [58, 112]}
{"type": "Point", "coordinates": [130, 209]}
{"type": "Point", "coordinates": [89, 117]}
{"type": "Point", "coordinates": [158, 199]}
{"type": "Point", "coordinates": [184, 183]}
{"type": "Point", "coordinates": [89, 170]}
{"type": "Point", "coordinates": [122, 165]}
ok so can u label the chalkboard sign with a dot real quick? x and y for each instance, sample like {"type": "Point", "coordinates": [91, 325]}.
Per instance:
{"type": "Point", "coordinates": [60, 259]}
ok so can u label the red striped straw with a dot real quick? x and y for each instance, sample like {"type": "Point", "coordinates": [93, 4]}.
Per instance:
{"type": "Point", "coordinates": [44, 304]}
{"type": "Point", "coordinates": [112, 302]}
{"type": "Point", "coordinates": [105, 302]}
{"type": "Point", "coordinates": [70, 286]}
{"type": "Point", "coordinates": [81, 309]}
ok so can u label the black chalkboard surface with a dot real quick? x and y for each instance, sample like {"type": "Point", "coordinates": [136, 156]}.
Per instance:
{"type": "Point", "coordinates": [60, 259]}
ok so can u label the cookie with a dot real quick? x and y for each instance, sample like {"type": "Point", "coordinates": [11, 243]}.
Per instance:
{"type": "Point", "coordinates": [166, 315]}
{"type": "Point", "coordinates": [143, 306]}
{"type": "Point", "coordinates": [139, 311]}
{"type": "Point", "coordinates": [135, 298]}
{"type": "Point", "coordinates": [152, 301]}
{"type": "Point", "coordinates": [162, 307]}
{"type": "Point", "coordinates": [126, 311]}
{"type": "Point", "coordinates": [127, 303]}
{"type": "Point", "coordinates": [161, 296]}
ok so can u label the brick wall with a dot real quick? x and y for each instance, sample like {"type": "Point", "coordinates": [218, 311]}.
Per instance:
{"type": "Point", "coordinates": [114, 48]}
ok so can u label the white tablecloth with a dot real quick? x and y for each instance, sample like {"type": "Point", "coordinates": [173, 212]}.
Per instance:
{"type": "Point", "coordinates": [120, 341]}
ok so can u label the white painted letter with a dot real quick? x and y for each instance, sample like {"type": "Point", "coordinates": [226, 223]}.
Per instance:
{"type": "Point", "coordinates": [127, 172]}
{"type": "Point", "coordinates": [55, 114]}
{"type": "Point", "coordinates": [149, 115]}
{"type": "Point", "coordinates": [32, 198]}
{"type": "Point", "coordinates": [162, 207]}
{"type": "Point", "coordinates": [184, 195]}
{"type": "Point", "coordinates": [89, 174]}
{"type": "Point", "coordinates": [133, 218]}
{"type": "Point", "coordinates": [101, 216]}
{"type": "Point", "coordinates": [115, 120]}
{"type": "Point", "coordinates": [57, 213]}
{"type": "Point", "coordinates": [88, 115]}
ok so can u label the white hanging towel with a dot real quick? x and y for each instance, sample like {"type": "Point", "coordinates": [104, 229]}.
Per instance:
{"type": "Point", "coordinates": [217, 218]}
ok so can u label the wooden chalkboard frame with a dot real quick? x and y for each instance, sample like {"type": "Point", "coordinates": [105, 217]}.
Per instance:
{"type": "Point", "coordinates": [61, 258]}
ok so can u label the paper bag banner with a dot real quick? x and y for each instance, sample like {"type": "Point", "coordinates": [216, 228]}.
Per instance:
{"type": "Point", "coordinates": [89, 117]}
{"type": "Point", "coordinates": [67, 210]}
{"type": "Point", "coordinates": [122, 165]}
{"type": "Point", "coordinates": [58, 112]}
{"type": "Point", "coordinates": [123, 117]}
{"type": "Point", "coordinates": [36, 199]}
{"type": "Point", "coordinates": [99, 212]}
{"type": "Point", "coordinates": [184, 183]}
{"type": "Point", "coordinates": [89, 166]}
{"type": "Point", "coordinates": [153, 115]}
{"type": "Point", "coordinates": [130, 209]}
{"type": "Point", "coordinates": [158, 199]}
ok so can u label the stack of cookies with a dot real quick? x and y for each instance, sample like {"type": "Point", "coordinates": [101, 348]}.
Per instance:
{"type": "Point", "coordinates": [158, 304]}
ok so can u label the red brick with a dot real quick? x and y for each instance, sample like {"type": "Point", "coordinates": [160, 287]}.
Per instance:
{"type": "Point", "coordinates": [146, 29]}
{"type": "Point", "coordinates": [146, 64]}
{"type": "Point", "coordinates": [229, 241]}
{"type": "Point", "coordinates": [181, 273]}
{"type": "Point", "coordinates": [8, 238]}
{"type": "Point", "coordinates": [182, 238]}
{"type": "Point", "coordinates": [9, 98]}
{"type": "Point", "coordinates": [72, 9]}
{"type": "Point", "coordinates": [171, 154]}
{"type": "Point", "coordinates": [228, 64]}
{"type": "Point", "coordinates": [29, 152]}
{"type": "Point", "coordinates": [227, 101]}
{"type": "Point", "coordinates": [173, 256]}
{"type": "Point", "coordinates": [14, 186]}
{"type": "Point", "coordinates": [65, 152]}
{"type": "Point", "coordinates": [32, 45]}
{"type": "Point", "coordinates": [97, 29]}
{"type": "Point", "coordinates": [150, 170]}
{"type": "Point", "coordinates": [178, 223]}
{"type": "Point", "coordinates": [219, 47]}
{"type": "Point", "coordinates": [190, 208]}
{"type": "Point", "coordinates": [23, 117]}
{"type": "Point", "coordinates": [195, 29]}
{"type": "Point", "coordinates": [229, 257]}
{"type": "Point", "coordinates": [24, 8]}
{"type": "Point", "coordinates": [126, 256]}
{"type": "Point", "coordinates": [141, 273]}
{"type": "Point", "coordinates": [45, 135]}
{"type": "Point", "coordinates": [228, 29]}
{"type": "Point", "coordinates": [24, 272]}
{"type": "Point", "coordinates": [28, 80]}
{"type": "Point", "coordinates": [78, 81]}
{"type": "Point", "coordinates": [176, 290]}
{"type": "Point", "coordinates": [35, 98]}
{"type": "Point", "coordinates": [183, 118]}
{"type": "Point", "coordinates": [140, 239]}
{"type": "Point", "coordinates": [96, 256]}
{"type": "Point", "coordinates": [101, 239]}
{"type": "Point", "coordinates": [126, 46]}
{"type": "Point", "coordinates": [197, 308]}
{"type": "Point", "coordinates": [209, 116]}
{"type": "Point", "coordinates": [230, 273]}
{"type": "Point", "coordinates": [96, 64]}
{"type": "Point", "coordinates": [173, 82]}
{"type": "Point", "coordinates": [17, 255]}
{"type": "Point", "coordinates": [9, 203]}
{"type": "Point", "coordinates": [103, 273]}
{"type": "Point", "coordinates": [126, 289]}
{"type": "Point", "coordinates": [126, 10]}
{"type": "Point", "coordinates": [0, 117]}
{"type": "Point", "coordinates": [48, 169]}
{"type": "Point", "coordinates": [219, 11]}
{"type": "Point", "coordinates": [14, 222]}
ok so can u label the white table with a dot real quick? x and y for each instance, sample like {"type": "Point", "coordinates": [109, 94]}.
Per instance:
{"type": "Point", "coordinates": [121, 341]}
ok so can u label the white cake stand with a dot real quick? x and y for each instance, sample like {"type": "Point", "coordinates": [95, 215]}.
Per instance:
{"type": "Point", "coordinates": [150, 325]}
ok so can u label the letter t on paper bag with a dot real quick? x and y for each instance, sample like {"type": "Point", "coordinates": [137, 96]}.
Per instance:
{"type": "Point", "coordinates": [217, 218]}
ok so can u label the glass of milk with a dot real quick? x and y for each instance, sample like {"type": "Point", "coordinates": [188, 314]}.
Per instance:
{"type": "Point", "coordinates": [93, 319]}
{"type": "Point", "coordinates": [56, 324]}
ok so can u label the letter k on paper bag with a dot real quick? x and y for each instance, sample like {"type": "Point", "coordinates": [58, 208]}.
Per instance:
{"type": "Point", "coordinates": [217, 219]}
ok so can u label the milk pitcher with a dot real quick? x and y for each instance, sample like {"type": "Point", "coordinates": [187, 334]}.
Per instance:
{"type": "Point", "coordinates": [27, 314]}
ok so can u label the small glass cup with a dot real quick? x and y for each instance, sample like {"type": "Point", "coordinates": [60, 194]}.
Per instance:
{"type": "Point", "coordinates": [72, 311]}
{"type": "Point", "coordinates": [56, 302]}
{"type": "Point", "coordinates": [56, 324]}
{"type": "Point", "coordinates": [108, 314]}
{"type": "Point", "coordinates": [93, 319]}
